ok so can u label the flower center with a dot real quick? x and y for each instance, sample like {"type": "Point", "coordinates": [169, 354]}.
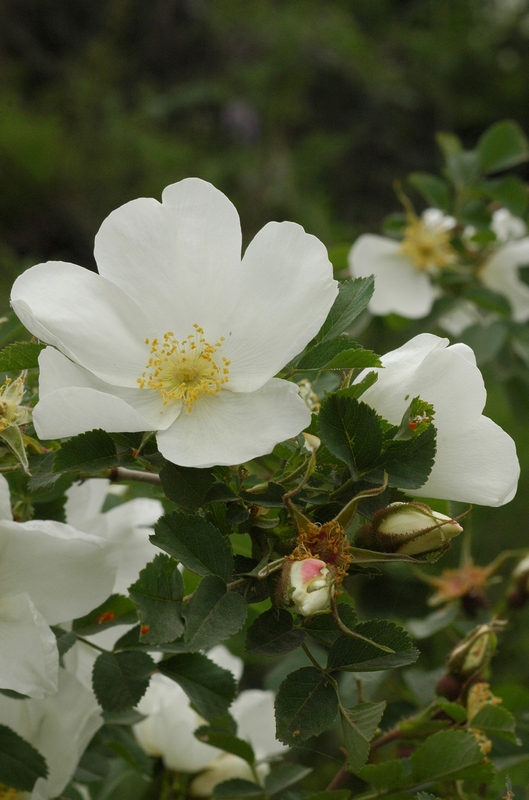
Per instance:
{"type": "Point", "coordinates": [183, 370]}
{"type": "Point", "coordinates": [427, 246]}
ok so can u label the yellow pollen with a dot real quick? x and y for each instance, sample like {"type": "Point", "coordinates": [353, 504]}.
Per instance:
{"type": "Point", "coordinates": [427, 246]}
{"type": "Point", "coordinates": [8, 794]}
{"type": "Point", "coordinates": [183, 370]}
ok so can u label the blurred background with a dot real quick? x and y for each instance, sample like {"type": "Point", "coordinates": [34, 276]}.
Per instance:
{"type": "Point", "coordinates": [305, 110]}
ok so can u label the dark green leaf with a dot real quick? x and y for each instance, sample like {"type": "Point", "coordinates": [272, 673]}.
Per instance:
{"type": "Point", "coordinates": [409, 462]}
{"type": "Point", "coordinates": [350, 430]}
{"type": "Point", "coordinates": [213, 614]}
{"type": "Point", "coordinates": [353, 297]}
{"type": "Point", "coordinates": [20, 764]}
{"type": "Point", "coordinates": [359, 725]}
{"type": "Point", "coordinates": [323, 627]}
{"type": "Point", "coordinates": [449, 755]}
{"type": "Point", "coordinates": [463, 168]}
{"type": "Point", "coordinates": [336, 794]}
{"type": "Point", "coordinates": [354, 655]}
{"type": "Point", "coordinates": [226, 741]}
{"type": "Point", "coordinates": [210, 688]}
{"type": "Point", "coordinates": [306, 705]}
{"type": "Point", "coordinates": [357, 389]}
{"type": "Point", "coordinates": [237, 787]}
{"type": "Point", "coordinates": [435, 190]}
{"type": "Point", "coordinates": [273, 633]}
{"type": "Point", "coordinates": [337, 354]}
{"type": "Point", "coordinates": [186, 486]}
{"type": "Point", "coordinates": [503, 145]}
{"type": "Point", "coordinates": [117, 610]}
{"type": "Point", "coordinates": [120, 680]}
{"type": "Point", "coordinates": [426, 796]}
{"type": "Point", "coordinates": [285, 775]}
{"type": "Point", "coordinates": [196, 543]}
{"type": "Point", "coordinates": [88, 453]}
{"type": "Point", "coordinates": [158, 592]}
{"type": "Point", "coordinates": [20, 355]}
{"type": "Point", "coordinates": [486, 298]}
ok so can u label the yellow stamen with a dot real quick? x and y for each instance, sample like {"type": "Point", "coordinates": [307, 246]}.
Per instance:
{"type": "Point", "coordinates": [183, 370]}
{"type": "Point", "coordinates": [427, 246]}
{"type": "Point", "coordinates": [8, 794]}
{"type": "Point", "coordinates": [11, 412]}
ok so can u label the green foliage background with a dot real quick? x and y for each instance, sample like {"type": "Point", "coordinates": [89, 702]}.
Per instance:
{"type": "Point", "coordinates": [298, 109]}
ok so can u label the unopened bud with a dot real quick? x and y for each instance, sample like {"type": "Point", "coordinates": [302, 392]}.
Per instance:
{"type": "Point", "coordinates": [307, 585]}
{"type": "Point", "coordinates": [410, 528]}
{"type": "Point", "coordinates": [448, 686]}
{"type": "Point", "coordinates": [473, 654]}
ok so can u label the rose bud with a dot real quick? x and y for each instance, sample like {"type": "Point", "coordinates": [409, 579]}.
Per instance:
{"type": "Point", "coordinates": [307, 585]}
{"type": "Point", "coordinates": [473, 654]}
{"type": "Point", "coordinates": [410, 528]}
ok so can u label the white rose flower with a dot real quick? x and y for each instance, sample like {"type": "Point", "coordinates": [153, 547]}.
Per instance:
{"type": "Point", "coordinates": [176, 334]}
{"type": "Point", "coordinates": [403, 269]}
{"type": "Point", "coordinates": [59, 727]}
{"type": "Point", "coordinates": [49, 573]}
{"type": "Point", "coordinates": [127, 526]}
{"type": "Point", "coordinates": [475, 460]}
{"type": "Point", "coordinates": [501, 274]}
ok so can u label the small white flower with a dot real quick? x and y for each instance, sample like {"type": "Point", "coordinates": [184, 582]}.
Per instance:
{"type": "Point", "coordinates": [59, 727]}
{"type": "Point", "coordinates": [127, 526]}
{"type": "Point", "coordinates": [506, 226]}
{"type": "Point", "coordinates": [475, 460]}
{"type": "Point", "coordinates": [310, 585]}
{"type": "Point", "coordinates": [49, 573]}
{"type": "Point", "coordinates": [501, 274]}
{"type": "Point", "coordinates": [403, 270]}
{"type": "Point", "coordinates": [176, 334]}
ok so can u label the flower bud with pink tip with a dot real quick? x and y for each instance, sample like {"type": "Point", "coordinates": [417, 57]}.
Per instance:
{"type": "Point", "coordinates": [308, 585]}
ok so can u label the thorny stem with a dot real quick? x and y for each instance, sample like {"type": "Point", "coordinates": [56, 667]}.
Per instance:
{"type": "Point", "coordinates": [123, 474]}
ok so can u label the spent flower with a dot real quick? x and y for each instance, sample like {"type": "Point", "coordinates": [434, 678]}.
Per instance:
{"type": "Point", "coordinates": [177, 334]}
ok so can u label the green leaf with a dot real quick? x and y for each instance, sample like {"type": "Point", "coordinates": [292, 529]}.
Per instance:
{"type": "Point", "coordinates": [210, 688]}
{"type": "Point", "coordinates": [226, 741]}
{"type": "Point", "coordinates": [65, 639]}
{"type": "Point", "coordinates": [408, 462]}
{"type": "Point", "coordinates": [198, 544]}
{"type": "Point", "coordinates": [353, 297]}
{"type": "Point", "coordinates": [20, 764]}
{"type": "Point", "coordinates": [213, 614]}
{"type": "Point", "coordinates": [511, 193]}
{"type": "Point", "coordinates": [357, 389]}
{"type": "Point", "coordinates": [323, 627]}
{"type": "Point", "coordinates": [463, 168]}
{"type": "Point", "coordinates": [503, 145]}
{"type": "Point", "coordinates": [359, 725]}
{"type": "Point", "coordinates": [20, 355]}
{"type": "Point", "coordinates": [237, 787]}
{"type": "Point", "coordinates": [186, 486]}
{"type": "Point", "coordinates": [117, 610]}
{"type": "Point", "coordinates": [426, 796]}
{"type": "Point", "coordinates": [386, 776]}
{"type": "Point", "coordinates": [449, 755]}
{"type": "Point", "coordinates": [354, 655]}
{"type": "Point", "coordinates": [435, 190]}
{"type": "Point", "coordinates": [487, 299]}
{"type": "Point", "coordinates": [337, 354]}
{"type": "Point", "coordinates": [88, 453]}
{"type": "Point", "coordinates": [336, 794]}
{"type": "Point", "coordinates": [351, 431]}
{"type": "Point", "coordinates": [306, 705]}
{"type": "Point", "coordinates": [273, 633]}
{"type": "Point", "coordinates": [285, 775]}
{"type": "Point", "coordinates": [485, 340]}
{"type": "Point", "coordinates": [120, 680]}
{"type": "Point", "coordinates": [158, 592]}
{"type": "Point", "coordinates": [496, 721]}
